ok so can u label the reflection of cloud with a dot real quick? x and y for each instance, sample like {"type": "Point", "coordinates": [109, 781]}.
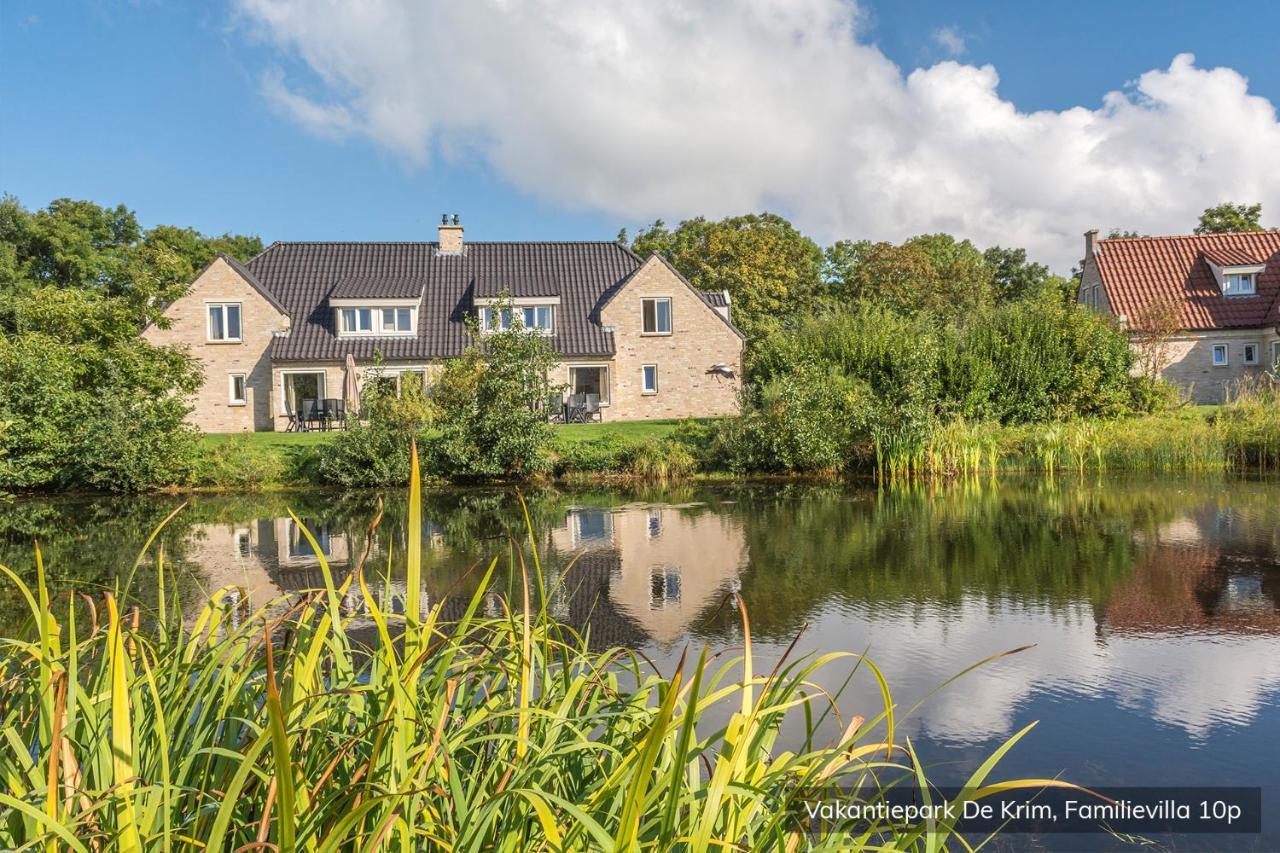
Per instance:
{"type": "Point", "coordinates": [1194, 683]}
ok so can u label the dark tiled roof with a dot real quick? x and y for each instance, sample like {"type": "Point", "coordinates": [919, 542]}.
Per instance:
{"type": "Point", "coordinates": [257, 285]}
{"type": "Point", "coordinates": [715, 298]}
{"type": "Point", "coordinates": [302, 275]}
{"type": "Point", "coordinates": [377, 287]}
{"type": "Point", "coordinates": [1141, 270]}
{"type": "Point", "coordinates": [488, 287]}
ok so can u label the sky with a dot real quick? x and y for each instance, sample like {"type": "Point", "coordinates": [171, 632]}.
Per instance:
{"type": "Point", "coordinates": [1008, 123]}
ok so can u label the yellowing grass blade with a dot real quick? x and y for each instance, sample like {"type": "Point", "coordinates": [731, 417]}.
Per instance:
{"type": "Point", "coordinates": [121, 734]}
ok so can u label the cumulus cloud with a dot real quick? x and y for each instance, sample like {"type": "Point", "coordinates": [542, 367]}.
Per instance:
{"type": "Point", "coordinates": [951, 40]}
{"type": "Point", "coordinates": [672, 109]}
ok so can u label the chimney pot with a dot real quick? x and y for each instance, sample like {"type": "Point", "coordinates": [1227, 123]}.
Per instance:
{"type": "Point", "coordinates": [450, 235]}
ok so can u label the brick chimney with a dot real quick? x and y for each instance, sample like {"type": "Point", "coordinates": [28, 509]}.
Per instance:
{"type": "Point", "coordinates": [450, 234]}
{"type": "Point", "coordinates": [1090, 243]}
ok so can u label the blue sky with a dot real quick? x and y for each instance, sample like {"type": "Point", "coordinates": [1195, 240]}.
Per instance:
{"type": "Point", "coordinates": [165, 107]}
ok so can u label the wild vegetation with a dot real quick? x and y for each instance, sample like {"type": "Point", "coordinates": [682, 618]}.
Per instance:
{"type": "Point", "coordinates": [276, 728]}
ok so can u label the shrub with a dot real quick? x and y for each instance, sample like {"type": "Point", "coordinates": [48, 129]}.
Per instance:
{"type": "Point", "coordinates": [235, 462]}
{"type": "Point", "coordinates": [373, 450]}
{"type": "Point", "coordinates": [492, 421]}
{"type": "Point", "coordinates": [654, 459]}
{"type": "Point", "coordinates": [593, 456]}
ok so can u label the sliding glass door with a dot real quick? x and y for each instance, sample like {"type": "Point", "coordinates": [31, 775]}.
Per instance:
{"type": "Point", "coordinates": [303, 386]}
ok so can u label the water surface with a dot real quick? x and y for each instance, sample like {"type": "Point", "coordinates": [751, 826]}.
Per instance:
{"type": "Point", "coordinates": [1154, 605]}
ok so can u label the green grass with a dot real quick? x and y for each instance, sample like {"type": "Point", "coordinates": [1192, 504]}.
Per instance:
{"type": "Point", "coordinates": [267, 440]}
{"type": "Point", "coordinates": [565, 433]}
{"type": "Point", "coordinates": [278, 730]}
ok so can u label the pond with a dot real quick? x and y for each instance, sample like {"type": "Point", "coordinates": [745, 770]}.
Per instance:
{"type": "Point", "coordinates": [1153, 605]}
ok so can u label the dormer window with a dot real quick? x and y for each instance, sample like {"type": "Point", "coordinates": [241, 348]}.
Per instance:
{"type": "Point", "coordinates": [374, 318]}
{"type": "Point", "coordinates": [538, 318]}
{"type": "Point", "coordinates": [1239, 283]}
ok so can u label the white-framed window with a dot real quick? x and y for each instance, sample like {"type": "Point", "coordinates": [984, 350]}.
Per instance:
{"type": "Point", "coordinates": [656, 315]}
{"type": "Point", "coordinates": [538, 318]}
{"type": "Point", "coordinates": [590, 379]}
{"type": "Point", "coordinates": [1249, 353]}
{"type": "Point", "coordinates": [238, 390]}
{"type": "Point", "coordinates": [390, 321]}
{"type": "Point", "coordinates": [649, 379]}
{"type": "Point", "coordinates": [1221, 355]}
{"type": "Point", "coordinates": [301, 388]}
{"type": "Point", "coordinates": [397, 320]}
{"type": "Point", "coordinates": [591, 525]}
{"type": "Point", "coordinates": [1239, 284]}
{"type": "Point", "coordinates": [1275, 354]}
{"type": "Point", "coordinates": [224, 322]}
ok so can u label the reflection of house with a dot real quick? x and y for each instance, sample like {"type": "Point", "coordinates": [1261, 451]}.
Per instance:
{"type": "Point", "coordinates": [1186, 581]}
{"type": "Point", "coordinates": [669, 565]}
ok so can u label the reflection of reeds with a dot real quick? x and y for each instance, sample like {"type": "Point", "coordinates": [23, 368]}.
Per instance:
{"type": "Point", "coordinates": [499, 731]}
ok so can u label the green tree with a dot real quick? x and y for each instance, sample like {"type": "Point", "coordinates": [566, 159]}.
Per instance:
{"type": "Point", "coordinates": [930, 273]}
{"type": "Point", "coordinates": [1228, 217]}
{"type": "Point", "coordinates": [90, 404]}
{"type": "Point", "coordinates": [769, 268]}
{"type": "Point", "coordinates": [492, 420]}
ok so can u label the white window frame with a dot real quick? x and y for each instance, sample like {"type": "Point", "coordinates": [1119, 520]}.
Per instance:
{"type": "Point", "coordinates": [1257, 353]}
{"type": "Point", "coordinates": [377, 328]}
{"type": "Point", "coordinates": [1226, 355]}
{"type": "Point", "coordinates": [645, 390]}
{"type": "Point", "coordinates": [1240, 277]}
{"type": "Point", "coordinates": [232, 400]}
{"type": "Point", "coordinates": [222, 305]}
{"type": "Point", "coordinates": [284, 386]}
{"type": "Point", "coordinates": [606, 397]}
{"type": "Point", "coordinates": [397, 373]}
{"type": "Point", "coordinates": [516, 310]}
{"type": "Point", "coordinates": [671, 316]}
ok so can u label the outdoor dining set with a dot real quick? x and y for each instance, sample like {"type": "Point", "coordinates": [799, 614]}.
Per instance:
{"type": "Point", "coordinates": [317, 415]}
{"type": "Point", "coordinates": [574, 409]}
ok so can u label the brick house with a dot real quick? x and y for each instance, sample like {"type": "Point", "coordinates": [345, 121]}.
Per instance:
{"type": "Point", "coordinates": [1226, 288]}
{"type": "Point", "coordinates": [278, 329]}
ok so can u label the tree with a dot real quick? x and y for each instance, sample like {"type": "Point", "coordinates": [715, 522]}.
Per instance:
{"type": "Point", "coordinates": [769, 268]}
{"type": "Point", "coordinates": [491, 403]}
{"type": "Point", "coordinates": [89, 403]}
{"type": "Point", "coordinates": [932, 272]}
{"type": "Point", "coordinates": [1152, 332]}
{"type": "Point", "coordinates": [1228, 217]}
{"type": "Point", "coordinates": [1013, 277]}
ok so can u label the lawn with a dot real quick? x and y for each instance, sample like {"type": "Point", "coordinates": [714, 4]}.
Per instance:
{"type": "Point", "coordinates": [565, 433]}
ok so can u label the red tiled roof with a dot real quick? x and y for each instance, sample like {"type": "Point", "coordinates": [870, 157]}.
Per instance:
{"type": "Point", "coordinates": [1231, 256]}
{"type": "Point", "coordinates": [1141, 270]}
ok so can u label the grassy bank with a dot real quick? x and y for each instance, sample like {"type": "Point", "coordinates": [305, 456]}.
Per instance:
{"type": "Point", "coordinates": [278, 730]}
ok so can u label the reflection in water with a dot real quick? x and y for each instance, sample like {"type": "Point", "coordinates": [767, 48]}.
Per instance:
{"type": "Point", "coordinates": [1154, 606]}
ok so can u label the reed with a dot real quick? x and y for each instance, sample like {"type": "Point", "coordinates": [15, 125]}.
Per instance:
{"type": "Point", "coordinates": [276, 729]}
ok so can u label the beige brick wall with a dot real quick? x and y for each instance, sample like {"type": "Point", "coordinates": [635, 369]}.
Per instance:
{"type": "Point", "coordinates": [699, 338]}
{"type": "Point", "coordinates": [213, 411]}
{"type": "Point", "coordinates": [1191, 361]}
{"type": "Point", "coordinates": [1090, 278]}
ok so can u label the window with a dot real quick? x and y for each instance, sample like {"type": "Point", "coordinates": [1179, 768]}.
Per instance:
{"type": "Point", "coordinates": [1275, 354]}
{"type": "Point", "coordinates": [649, 379]}
{"type": "Point", "coordinates": [238, 391]}
{"type": "Point", "coordinates": [413, 379]}
{"type": "Point", "coordinates": [244, 544]}
{"type": "Point", "coordinates": [1238, 284]}
{"type": "Point", "coordinates": [664, 587]}
{"type": "Point", "coordinates": [300, 388]}
{"type": "Point", "coordinates": [1249, 354]}
{"type": "Point", "coordinates": [590, 380]}
{"type": "Point", "coordinates": [300, 548]}
{"type": "Point", "coordinates": [494, 319]}
{"type": "Point", "coordinates": [224, 321]}
{"type": "Point", "coordinates": [657, 316]}
{"type": "Point", "coordinates": [537, 317]}
{"type": "Point", "coordinates": [592, 526]}
{"type": "Point", "coordinates": [357, 321]}
{"type": "Point", "coordinates": [1220, 355]}
{"type": "Point", "coordinates": [655, 523]}
{"type": "Point", "coordinates": [397, 320]}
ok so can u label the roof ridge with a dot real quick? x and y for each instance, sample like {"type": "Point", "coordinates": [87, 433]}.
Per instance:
{"type": "Point", "coordinates": [437, 242]}
{"type": "Point", "coordinates": [1189, 236]}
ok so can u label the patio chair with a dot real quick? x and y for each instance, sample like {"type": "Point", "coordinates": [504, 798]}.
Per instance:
{"type": "Point", "coordinates": [554, 408]}
{"type": "Point", "coordinates": [336, 411]}
{"type": "Point", "coordinates": [311, 414]}
{"type": "Point", "coordinates": [591, 408]}
{"type": "Point", "coordinates": [295, 422]}
{"type": "Point", "coordinates": [574, 409]}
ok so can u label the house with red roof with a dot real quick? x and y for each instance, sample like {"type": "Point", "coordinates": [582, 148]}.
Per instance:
{"type": "Point", "coordinates": [1224, 288]}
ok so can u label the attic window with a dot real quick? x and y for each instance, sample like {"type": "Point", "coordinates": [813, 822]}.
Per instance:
{"type": "Point", "coordinates": [1239, 283]}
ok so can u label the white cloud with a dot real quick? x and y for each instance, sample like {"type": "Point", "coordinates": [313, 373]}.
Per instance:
{"type": "Point", "coordinates": [951, 40]}
{"type": "Point", "coordinates": [672, 109]}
